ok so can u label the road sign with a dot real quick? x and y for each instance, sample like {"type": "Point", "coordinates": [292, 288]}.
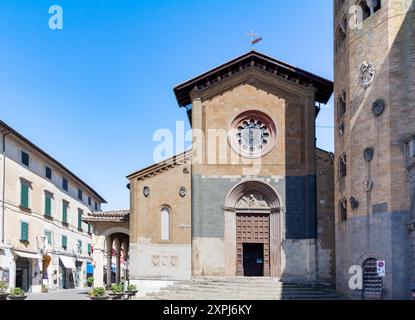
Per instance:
{"type": "Point", "coordinates": [380, 265]}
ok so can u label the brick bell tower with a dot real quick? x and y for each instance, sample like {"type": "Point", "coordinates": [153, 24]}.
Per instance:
{"type": "Point", "coordinates": [374, 63]}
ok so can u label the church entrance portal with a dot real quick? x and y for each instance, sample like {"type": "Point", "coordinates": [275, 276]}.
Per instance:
{"type": "Point", "coordinates": [252, 231]}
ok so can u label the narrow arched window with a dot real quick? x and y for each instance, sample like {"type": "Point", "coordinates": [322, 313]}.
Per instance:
{"type": "Point", "coordinates": [165, 224]}
{"type": "Point", "coordinates": [341, 33]}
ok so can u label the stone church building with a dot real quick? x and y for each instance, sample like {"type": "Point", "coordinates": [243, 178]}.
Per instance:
{"type": "Point", "coordinates": [256, 197]}
{"type": "Point", "coordinates": [255, 201]}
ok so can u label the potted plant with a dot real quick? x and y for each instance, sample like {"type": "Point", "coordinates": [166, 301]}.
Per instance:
{"type": "Point", "coordinates": [132, 290]}
{"type": "Point", "coordinates": [98, 294]}
{"type": "Point", "coordinates": [117, 291]}
{"type": "Point", "coordinates": [45, 288]}
{"type": "Point", "coordinates": [90, 281]}
{"type": "Point", "coordinates": [3, 290]}
{"type": "Point", "coordinates": [17, 294]}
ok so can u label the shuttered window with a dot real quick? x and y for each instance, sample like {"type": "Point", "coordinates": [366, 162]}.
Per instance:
{"type": "Point", "coordinates": [25, 159]}
{"type": "Point", "coordinates": [48, 173]}
{"type": "Point", "coordinates": [24, 195]}
{"type": "Point", "coordinates": [48, 235]}
{"type": "Point", "coordinates": [65, 206]}
{"type": "Point", "coordinates": [24, 231]}
{"type": "Point", "coordinates": [89, 249]}
{"type": "Point", "coordinates": [48, 205]}
{"type": "Point", "coordinates": [64, 242]}
{"type": "Point", "coordinates": [80, 213]}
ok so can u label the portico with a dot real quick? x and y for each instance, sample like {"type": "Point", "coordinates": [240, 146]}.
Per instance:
{"type": "Point", "coordinates": [110, 246]}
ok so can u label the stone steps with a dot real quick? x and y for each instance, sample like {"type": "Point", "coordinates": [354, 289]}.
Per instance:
{"type": "Point", "coordinates": [243, 289]}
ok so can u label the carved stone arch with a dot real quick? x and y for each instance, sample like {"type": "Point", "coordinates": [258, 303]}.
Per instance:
{"type": "Point", "coordinates": [253, 198]}
{"type": "Point", "coordinates": [253, 186]}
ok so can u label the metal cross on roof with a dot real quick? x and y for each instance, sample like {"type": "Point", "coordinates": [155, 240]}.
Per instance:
{"type": "Point", "coordinates": [254, 38]}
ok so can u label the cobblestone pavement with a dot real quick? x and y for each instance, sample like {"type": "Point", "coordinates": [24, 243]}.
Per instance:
{"type": "Point", "coordinates": [68, 294]}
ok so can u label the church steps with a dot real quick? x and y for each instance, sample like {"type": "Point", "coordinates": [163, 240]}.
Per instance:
{"type": "Point", "coordinates": [244, 289]}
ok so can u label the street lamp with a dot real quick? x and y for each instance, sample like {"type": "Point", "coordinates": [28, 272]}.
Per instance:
{"type": "Point", "coordinates": [42, 250]}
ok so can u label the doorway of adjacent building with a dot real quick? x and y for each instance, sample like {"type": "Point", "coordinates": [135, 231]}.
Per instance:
{"type": "Point", "coordinates": [23, 274]}
{"type": "Point", "coordinates": [253, 259]}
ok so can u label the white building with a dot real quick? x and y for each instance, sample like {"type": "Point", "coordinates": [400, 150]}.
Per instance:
{"type": "Point", "coordinates": [43, 239]}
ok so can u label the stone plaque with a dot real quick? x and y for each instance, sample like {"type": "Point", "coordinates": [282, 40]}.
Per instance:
{"type": "Point", "coordinates": [380, 208]}
{"type": "Point", "coordinates": [156, 261]}
{"type": "Point", "coordinates": [366, 74]}
{"type": "Point", "coordinates": [146, 192]}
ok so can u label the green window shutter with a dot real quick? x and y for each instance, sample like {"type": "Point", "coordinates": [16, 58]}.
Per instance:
{"type": "Point", "coordinates": [80, 219]}
{"type": "Point", "coordinates": [89, 248]}
{"type": "Point", "coordinates": [80, 246]}
{"type": "Point", "coordinates": [65, 212]}
{"type": "Point", "coordinates": [24, 231]}
{"type": "Point", "coordinates": [48, 206]}
{"type": "Point", "coordinates": [64, 242]}
{"type": "Point", "coordinates": [24, 196]}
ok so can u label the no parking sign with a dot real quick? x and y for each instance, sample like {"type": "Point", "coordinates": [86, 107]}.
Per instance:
{"type": "Point", "coordinates": [380, 266]}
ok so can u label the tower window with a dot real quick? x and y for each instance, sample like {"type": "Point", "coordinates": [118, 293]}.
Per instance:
{"type": "Point", "coordinates": [377, 6]}
{"type": "Point", "coordinates": [411, 148]}
{"type": "Point", "coordinates": [339, 4]}
{"type": "Point", "coordinates": [343, 210]}
{"type": "Point", "coordinates": [365, 10]}
{"type": "Point", "coordinates": [342, 166]}
{"type": "Point", "coordinates": [341, 33]}
{"type": "Point", "coordinates": [341, 105]}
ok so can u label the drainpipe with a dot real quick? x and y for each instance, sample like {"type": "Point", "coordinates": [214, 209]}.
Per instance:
{"type": "Point", "coordinates": [3, 204]}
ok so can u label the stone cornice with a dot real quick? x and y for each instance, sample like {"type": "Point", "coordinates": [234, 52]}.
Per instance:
{"type": "Point", "coordinates": [161, 167]}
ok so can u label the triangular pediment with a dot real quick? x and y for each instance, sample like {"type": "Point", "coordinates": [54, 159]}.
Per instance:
{"type": "Point", "coordinates": [258, 62]}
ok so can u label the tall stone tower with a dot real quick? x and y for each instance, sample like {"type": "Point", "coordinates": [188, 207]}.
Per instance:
{"type": "Point", "coordinates": [374, 142]}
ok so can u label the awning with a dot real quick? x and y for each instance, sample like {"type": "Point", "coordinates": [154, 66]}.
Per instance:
{"type": "Point", "coordinates": [67, 262]}
{"type": "Point", "coordinates": [89, 268]}
{"type": "Point", "coordinates": [35, 256]}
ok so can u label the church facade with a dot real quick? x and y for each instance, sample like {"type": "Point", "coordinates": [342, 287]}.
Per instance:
{"type": "Point", "coordinates": [254, 196]}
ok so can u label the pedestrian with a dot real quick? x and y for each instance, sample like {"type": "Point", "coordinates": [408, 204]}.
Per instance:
{"type": "Point", "coordinates": [413, 294]}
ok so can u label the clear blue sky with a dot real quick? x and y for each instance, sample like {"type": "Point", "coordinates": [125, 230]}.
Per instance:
{"type": "Point", "coordinates": [93, 94]}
